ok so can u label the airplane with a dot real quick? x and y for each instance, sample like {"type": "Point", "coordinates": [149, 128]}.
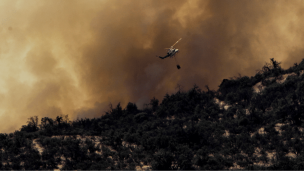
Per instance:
{"type": "Point", "coordinates": [171, 52]}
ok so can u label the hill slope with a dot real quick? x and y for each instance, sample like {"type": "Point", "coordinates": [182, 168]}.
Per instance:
{"type": "Point", "coordinates": [248, 123]}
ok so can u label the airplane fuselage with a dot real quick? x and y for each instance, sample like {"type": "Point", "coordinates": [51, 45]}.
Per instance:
{"type": "Point", "coordinates": [172, 52]}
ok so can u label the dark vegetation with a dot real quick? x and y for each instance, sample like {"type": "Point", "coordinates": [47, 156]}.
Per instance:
{"type": "Point", "coordinates": [185, 131]}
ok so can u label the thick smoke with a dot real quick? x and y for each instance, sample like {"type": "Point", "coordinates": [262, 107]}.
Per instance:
{"type": "Point", "coordinates": [61, 57]}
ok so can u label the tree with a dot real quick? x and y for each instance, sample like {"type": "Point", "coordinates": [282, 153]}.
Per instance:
{"type": "Point", "coordinates": [275, 64]}
{"type": "Point", "coordinates": [46, 121]}
{"type": "Point", "coordinates": [33, 121]}
{"type": "Point", "coordinates": [154, 103]}
{"type": "Point", "coordinates": [43, 122]}
{"type": "Point", "coordinates": [131, 108]}
{"type": "Point", "coordinates": [59, 119]}
{"type": "Point", "coordinates": [32, 125]}
{"type": "Point", "coordinates": [117, 112]}
{"type": "Point", "coordinates": [65, 118]}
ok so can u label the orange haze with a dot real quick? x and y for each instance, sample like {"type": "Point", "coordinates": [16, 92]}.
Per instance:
{"type": "Point", "coordinates": [75, 57]}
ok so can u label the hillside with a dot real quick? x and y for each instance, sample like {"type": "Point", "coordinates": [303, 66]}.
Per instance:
{"type": "Point", "coordinates": [248, 123]}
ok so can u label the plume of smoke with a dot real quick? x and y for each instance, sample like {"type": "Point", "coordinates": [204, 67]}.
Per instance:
{"type": "Point", "coordinates": [61, 57]}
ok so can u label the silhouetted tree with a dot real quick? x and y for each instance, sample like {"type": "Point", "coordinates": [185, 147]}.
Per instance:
{"type": "Point", "coordinates": [154, 103]}
{"type": "Point", "coordinates": [131, 108]}
{"type": "Point", "coordinates": [59, 120]}
{"type": "Point", "coordinates": [32, 125]}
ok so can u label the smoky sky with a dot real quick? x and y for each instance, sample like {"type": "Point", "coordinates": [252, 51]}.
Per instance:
{"type": "Point", "coordinates": [76, 57]}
